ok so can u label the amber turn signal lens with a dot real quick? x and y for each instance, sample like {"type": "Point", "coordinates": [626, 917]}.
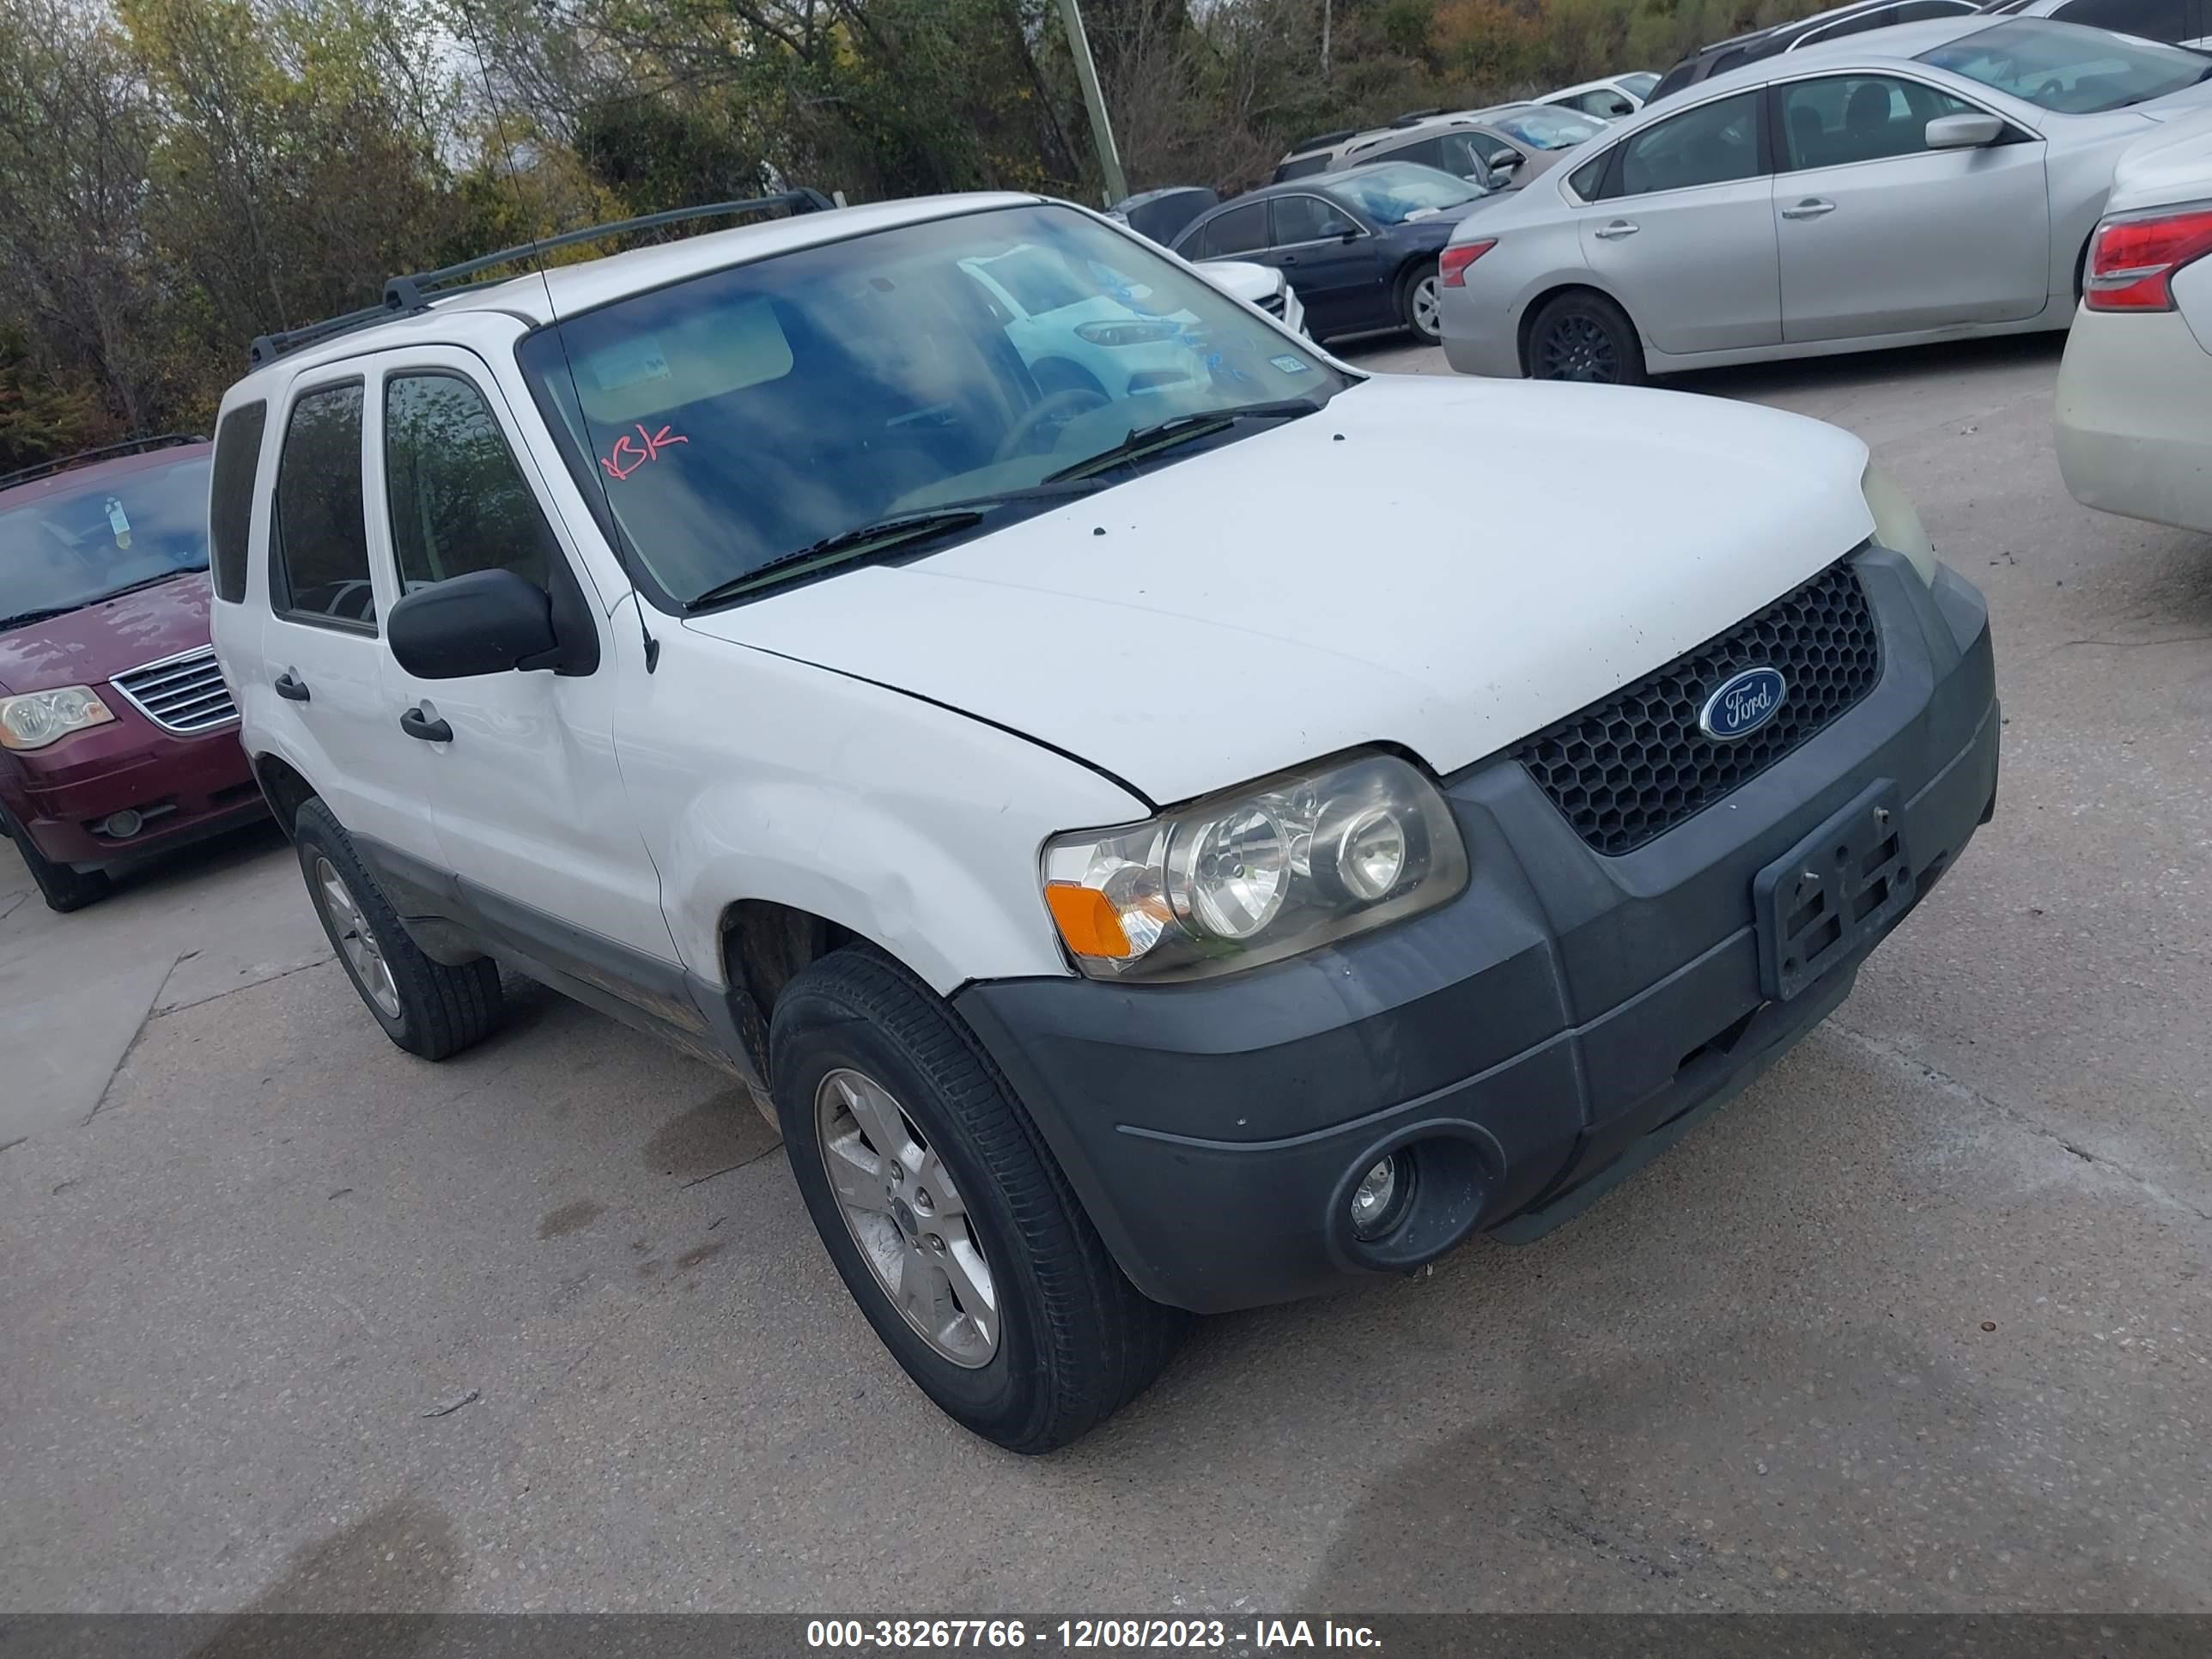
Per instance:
{"type": "Point", "coordinates": [1087, 920]}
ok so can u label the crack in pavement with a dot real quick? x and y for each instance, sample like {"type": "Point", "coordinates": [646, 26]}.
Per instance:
{"type": "Point", "coordinates": [145, 1018]}
{"type": "Point", "coordinates": [1891, 1055]}
{"type": "Point", "coordinates": [159, 1012]}
{"type": "Point", "coordinates": [2129, 644]}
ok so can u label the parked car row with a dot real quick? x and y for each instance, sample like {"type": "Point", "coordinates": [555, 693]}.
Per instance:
{"type": "Point", "coordinates": [1927, 181]}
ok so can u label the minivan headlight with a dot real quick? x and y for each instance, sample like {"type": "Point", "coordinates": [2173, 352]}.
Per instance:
{"type": "Point", "coordinates": [39, 718]}
{"type": "Point", "coordinates": [1896, 523]}
{"type": "Point", "coordinates": [1285, 864]}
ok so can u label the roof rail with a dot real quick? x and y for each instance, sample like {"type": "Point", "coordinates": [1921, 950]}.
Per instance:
{"type": "Point", "coordinates": [1322, 140]}
{"type": "Point", "coordinates": [105, 452]}
{"type": "Point", "coordinates": [418, 292]}
{"type": "Point", "coordinates": [1415, 117]}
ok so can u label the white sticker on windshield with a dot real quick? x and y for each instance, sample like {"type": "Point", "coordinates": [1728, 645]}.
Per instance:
{"type": "Point", "coordinates": [631, 362]}
{"type": "Point", "coordinates": [1289, 363]}
{"type": "Point", "coordinates": [118, 521]}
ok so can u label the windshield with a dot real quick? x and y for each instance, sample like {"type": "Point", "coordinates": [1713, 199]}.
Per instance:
{"type": "Point", "coordinates": [1548, 129]}
{"type": "Point", "coordinates": [741, 415]}
{"type": "Point", "coordinates": [73, 547]}
{"type": "Point", "coordinates": [2068, 67]}
{"type": "Point", "coordinates": [1391, 192]}
{"type": "Point", "coordinates": [1639, 84]}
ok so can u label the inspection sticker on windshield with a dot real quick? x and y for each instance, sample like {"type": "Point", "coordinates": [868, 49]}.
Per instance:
{"type": "Point", "coordinates": [629, 363]}
{"type": "Point", "coordinates": [118, 521]}
{"type": "Point", "coordinates": [1290, 363]}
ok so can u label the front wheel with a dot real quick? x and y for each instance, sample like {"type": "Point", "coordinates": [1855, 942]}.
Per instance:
{"type": "Point", "coordinates": [945, 1215]}
{"type": "Point", "coordinates": [1585, 336]}
{"type": "Point", "coordinates": [1419, 304]}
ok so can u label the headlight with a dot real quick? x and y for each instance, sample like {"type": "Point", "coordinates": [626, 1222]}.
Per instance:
{"type": "Point", "coordinates": [1896, 525]}
{"type": "Point", "coordinates": [39, 718]}
{"type": "Point", "coordinates": [1282, 865]}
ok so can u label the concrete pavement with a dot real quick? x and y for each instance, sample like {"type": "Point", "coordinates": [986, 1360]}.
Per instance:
{"type": "Point", "coordinates": [293, 1321]}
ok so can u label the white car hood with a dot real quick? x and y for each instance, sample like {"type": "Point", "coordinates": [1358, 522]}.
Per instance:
{"type": "Point", "coordinates": [1446, 564]}
{"type": "Point", "coordinates": [1248, 282]}
{"type": "Point", "coordinates": [2174, 164]}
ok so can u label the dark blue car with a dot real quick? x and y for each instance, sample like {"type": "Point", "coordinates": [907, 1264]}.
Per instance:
{"type": "Point", "coordinates": [1360, 246]}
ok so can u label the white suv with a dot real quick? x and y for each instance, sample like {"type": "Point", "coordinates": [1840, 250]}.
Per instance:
{"type": "Point", "coordinates": [1153, 848]}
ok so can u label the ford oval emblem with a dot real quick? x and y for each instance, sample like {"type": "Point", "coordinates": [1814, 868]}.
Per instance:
{"type": "Point", "coordinates": [1742, 704]}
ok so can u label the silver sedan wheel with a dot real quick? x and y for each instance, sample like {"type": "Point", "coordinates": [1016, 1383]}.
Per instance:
{"type": "Point", "coordinates": [902, 1210]}
{"type": "Point", "coordinates": [356, 938]}
{"type": "Point", "coordinates": [1426, 316]}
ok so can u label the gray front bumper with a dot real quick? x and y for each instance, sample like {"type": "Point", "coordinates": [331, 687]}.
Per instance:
{"type": "Point", "coordinates": [1561, 1020]}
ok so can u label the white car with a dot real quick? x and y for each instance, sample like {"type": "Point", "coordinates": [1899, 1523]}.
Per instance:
{"type": "Point", "coordinates": [1257, 285]}
{"type": "Point", "coordinates": [1149, 854]}
{"type": "Point", "coordinates": [2135, 391]}
{"type": "Point", "coordinates": [1608, 99]}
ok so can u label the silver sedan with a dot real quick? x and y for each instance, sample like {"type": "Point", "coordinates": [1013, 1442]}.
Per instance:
{"type": "Point", "coordinates": [1926, 182]}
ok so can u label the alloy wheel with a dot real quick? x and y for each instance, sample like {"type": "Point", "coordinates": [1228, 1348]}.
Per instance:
{"type": "Point", "coordinates": [356, 938]}
{"type": "Point", "coordinates": [901, 1205]}
{"type": "Point", "coordinates": [1427, 313]}
{"type": "Point", "coordinates": [1578, 348]}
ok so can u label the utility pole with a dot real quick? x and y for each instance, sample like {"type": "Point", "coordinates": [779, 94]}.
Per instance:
{"type": "Point", "coordinates": [1324, 38]}
{"type": "Point", "coordinates": [1101, 130]}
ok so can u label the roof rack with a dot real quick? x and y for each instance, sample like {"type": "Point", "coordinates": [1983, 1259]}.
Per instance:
{"type": "Point", "coordinates": [1322, 140]}
{"type": "Point", "coordinates": [1415, 117]}
{"type": "Point", "coordinates": [404, 294]}
{"type": "Point", "coordinates": [105, 452]}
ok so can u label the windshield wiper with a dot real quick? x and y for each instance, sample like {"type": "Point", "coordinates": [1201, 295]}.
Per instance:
{"type": "Point", "coordinates": [147, 581]}
{"type": "Point", "coordinates": [25, 619]}
{"type": "Point", "coordinates": [1181, 430]}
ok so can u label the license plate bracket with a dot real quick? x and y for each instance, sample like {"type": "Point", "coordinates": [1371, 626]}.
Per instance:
{"type": "Point", "coordinates": [1836, 888]}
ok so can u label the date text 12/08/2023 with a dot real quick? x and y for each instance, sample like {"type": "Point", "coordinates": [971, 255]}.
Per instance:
{"type": "Point", "coordinates": [1252, 1635]}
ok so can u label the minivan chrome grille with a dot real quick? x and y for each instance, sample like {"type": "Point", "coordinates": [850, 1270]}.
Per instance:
{"type": "Point", "coordinates": [184, 694]}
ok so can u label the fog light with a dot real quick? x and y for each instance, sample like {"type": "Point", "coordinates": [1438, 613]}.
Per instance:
{"type": "Point", "coordinates": [124, 824]}
{"type": "Point", "coordinates": [1379, 1196]}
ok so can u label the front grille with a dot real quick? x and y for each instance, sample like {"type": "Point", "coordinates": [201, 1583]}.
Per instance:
{"type": "Point", "coordinates": [184, 694]}
{"type": "Point", "coordinates": [1630, 768]}
{"type": "Point", "coordinates": [1272, 305]}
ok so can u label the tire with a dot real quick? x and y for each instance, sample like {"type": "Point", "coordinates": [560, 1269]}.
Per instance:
{"type": "Point", "coordinates": [1418, 297]}
{"type": "Point", "coordinates": [1584, 336]}
{"type": "Point", "coordinates": [857, 1041]}
{"type": "Point", "coordinates": [424, 1006]}
{"type": "Point", "coordinates": [64, 890]}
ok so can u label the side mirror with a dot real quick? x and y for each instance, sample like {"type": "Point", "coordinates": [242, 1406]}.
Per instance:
{"type": "Point", "coordinates": [1504, 161]}
{"type": "Point", "coordinates": [488, 622]}
{"type": "Point", "coordinates": [1973, 131]}
{"type": "Point", "coordinates": [1349, 235]}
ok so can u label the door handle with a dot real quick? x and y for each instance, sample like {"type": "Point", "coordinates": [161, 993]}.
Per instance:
{"type": "Point", "coordinates": [1617, 229]}
{"type": "Point", "coordinates": [416, 723]}
{"type": "Point", "coordinates": [1811, 207]}
{"type": "Point", "coordinates": [291, 687]}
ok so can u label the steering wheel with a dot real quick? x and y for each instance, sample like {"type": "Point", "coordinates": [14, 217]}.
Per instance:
{"type": "Point", "coordinates": [1055, 406]}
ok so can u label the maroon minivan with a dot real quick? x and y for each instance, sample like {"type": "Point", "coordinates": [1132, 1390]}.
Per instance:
{"type": "Point", "coordinates": [118, 736]}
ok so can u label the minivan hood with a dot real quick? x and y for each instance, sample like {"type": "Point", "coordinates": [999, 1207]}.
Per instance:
{"type": "Point", "coordinates": [84, 647]}
{"type": "Point", "coordinates": [1444, 564]}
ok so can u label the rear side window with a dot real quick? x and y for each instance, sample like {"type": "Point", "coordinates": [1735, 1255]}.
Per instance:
{"type": "Point", "coordinates": [458, 502]}
{"type": "Point", "coordinates": [1589, 179]}
{"type": "Point", "coordinates": [1711, 144]}
{"type": "Point", "coordinates": [230, 508]}
{"type": "Point", "coordinates": [318, 549]}
{"type": "Point", "coordinates": [1239, 230]}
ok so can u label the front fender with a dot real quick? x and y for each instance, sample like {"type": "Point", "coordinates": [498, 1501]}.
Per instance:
{"type": "Point", "coordinates": [911, 824]}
